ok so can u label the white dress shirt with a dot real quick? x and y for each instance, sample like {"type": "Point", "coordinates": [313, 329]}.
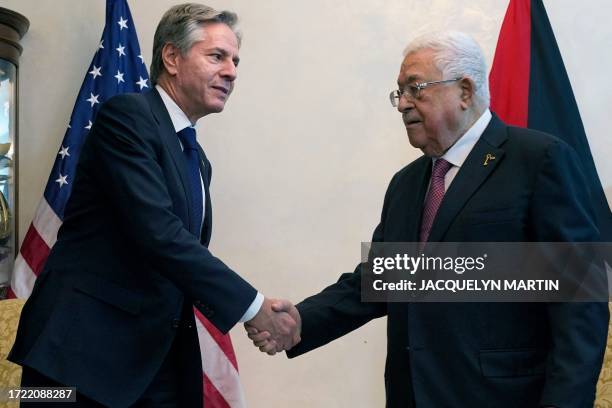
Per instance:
{"type": "Point", "coordinates": [458, 152]}
{"type": "Point", "coordinates": [180, 121]}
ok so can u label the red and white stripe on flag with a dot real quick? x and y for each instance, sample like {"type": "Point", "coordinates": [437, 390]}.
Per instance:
{"type": "Point", "coordinates": [222, 388]}
{"type": "Point", "coordinates": [34, 250]}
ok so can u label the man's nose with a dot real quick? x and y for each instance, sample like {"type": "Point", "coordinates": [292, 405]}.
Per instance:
{"type": "Point", "coordinates": [404, 104]}
{"type": "Point", "coordinates": [229, 71]}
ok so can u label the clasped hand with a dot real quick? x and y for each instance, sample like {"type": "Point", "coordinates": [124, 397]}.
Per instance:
{"type": "Point", "coordinates": [276, 327]}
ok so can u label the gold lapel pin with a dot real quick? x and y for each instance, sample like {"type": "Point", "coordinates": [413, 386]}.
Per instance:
{"type": "Point", "coordinates": [488, 157]}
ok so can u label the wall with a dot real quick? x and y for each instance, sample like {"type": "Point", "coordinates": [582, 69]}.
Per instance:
{"type": "Point", "coordinates": [303, 153]}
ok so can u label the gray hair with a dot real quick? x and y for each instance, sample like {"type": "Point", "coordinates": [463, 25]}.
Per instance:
{"type": "Point", "coordinates": [180, 26]}
{"type": "Point", "coordinates": [456, 54]}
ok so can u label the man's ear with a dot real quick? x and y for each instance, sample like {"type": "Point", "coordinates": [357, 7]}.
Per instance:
{"type": "Point", "coordinates": [468, 88]}
{"type": "Point", "coordinates": [170, 58]}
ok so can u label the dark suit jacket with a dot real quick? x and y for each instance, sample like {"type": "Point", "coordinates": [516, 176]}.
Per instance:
{"type": "Point", "coordinates": [125, 266]}
{"type": "Point", "coordinates": [474, 354]}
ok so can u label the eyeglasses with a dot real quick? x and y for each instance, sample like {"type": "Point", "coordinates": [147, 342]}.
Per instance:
{"type": "Point", "coordinates": [414, 91]}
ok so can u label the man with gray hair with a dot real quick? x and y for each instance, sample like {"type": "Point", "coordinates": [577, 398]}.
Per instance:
{"type": "Point", "coordinates": [112, 312]}
{"type": "Point", "coordinates": [479, 180]}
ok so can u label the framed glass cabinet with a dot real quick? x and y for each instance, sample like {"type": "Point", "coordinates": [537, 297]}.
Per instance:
{"type": "Point", "coordinates": [12, 28]}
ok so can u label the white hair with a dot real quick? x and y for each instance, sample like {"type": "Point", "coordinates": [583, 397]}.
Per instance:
{"type": "Point", "coordinates": [456, 55]}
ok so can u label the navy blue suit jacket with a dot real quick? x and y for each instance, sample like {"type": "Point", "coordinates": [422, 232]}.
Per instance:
{"type": "Point", "coordinates": [125, 266]}
{"type": "Point", "coordinates": [473, 354]}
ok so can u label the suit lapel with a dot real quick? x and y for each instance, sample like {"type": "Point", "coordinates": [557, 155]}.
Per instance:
{"type": "Point", "coordinates": [168, 135]}
{"type": "Point", "coordinates": [472, 174]}
{"type": "Point", "coordinates": [206, 171]}
{"type": "Point", "coordinates": [414, 208]}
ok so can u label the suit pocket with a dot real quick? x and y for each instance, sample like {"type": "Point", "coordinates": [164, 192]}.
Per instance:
{"type": "Point", "coordinates": [110, 293]}
{"type": "Point", "coordinates": [512, 363]}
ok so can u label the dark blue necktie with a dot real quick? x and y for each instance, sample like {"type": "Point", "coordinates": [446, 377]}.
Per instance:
{"type": "Point", "coordinates": [190, 149]}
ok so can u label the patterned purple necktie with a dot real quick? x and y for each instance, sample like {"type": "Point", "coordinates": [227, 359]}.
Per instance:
{"type": "Point", "coordinates": [434, 198]}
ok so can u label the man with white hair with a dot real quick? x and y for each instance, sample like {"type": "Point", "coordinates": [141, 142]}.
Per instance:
{"type": "Point", "coordinates": [479, 180]}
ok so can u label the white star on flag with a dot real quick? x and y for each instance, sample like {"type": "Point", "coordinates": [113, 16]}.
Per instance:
{"type": "Point", "coordinates": [93, 99]}
{"type": "Point", "coordinates": [64, 151]}
{"type": "Point", "coordinates": [119, 77]}
{"type": "Point", "coordinates": [120, 50]}
{"type": "Point", "coordinates": [141, 58]}
{"type": "Point", "coordinates": [101, 46]}
{"type": "Point", "coordinates": [88, 125]}
{"type": "Point", "coordinates": [142, 83]}
{"type": "Point", "coordinates": [122, 23]}
{"type": "Point", "coordinates": [62, 180]}
{"type": "Point", "coordinates": [95, 71]}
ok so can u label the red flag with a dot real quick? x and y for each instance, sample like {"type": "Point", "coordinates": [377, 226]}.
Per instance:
{"type": "Point", "coordinates": [509, 79]}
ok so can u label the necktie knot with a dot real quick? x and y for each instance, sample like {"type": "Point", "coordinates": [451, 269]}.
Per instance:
{"type": "Point", "coordinates": [187, 137]}
{"type": "Point", "coordinates": [440, 168]}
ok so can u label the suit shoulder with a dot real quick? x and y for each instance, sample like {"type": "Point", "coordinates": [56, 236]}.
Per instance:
{"type": "Point", "coordinates": [126, 102]}
{"type": "Point", "coordinates": [530, 146]}
{"type": "Point", "coordinates": [129, 109]}
{"type": "Point", "coordinates": [534, 140]}
{"type": "Point", "coordinates": [127, 117]}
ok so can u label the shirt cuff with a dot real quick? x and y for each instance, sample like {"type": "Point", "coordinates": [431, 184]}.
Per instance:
{"type": "Point", "coordinates": [253, 309]}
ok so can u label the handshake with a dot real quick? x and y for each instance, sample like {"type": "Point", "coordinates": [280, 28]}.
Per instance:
{"type": "Point", "coordinates": [276, 327]}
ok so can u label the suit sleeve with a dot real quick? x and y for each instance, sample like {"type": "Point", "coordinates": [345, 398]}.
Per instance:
{"type": "Point", "coordinates": [561, 211]}
{"type": "Point", "coordinates": [338, 309]}
{"type": "Point", "coordinates": [124, 143]}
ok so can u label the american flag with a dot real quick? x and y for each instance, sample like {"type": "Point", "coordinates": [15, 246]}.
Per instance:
{"type": "Point", "coordinates": [117, 67]}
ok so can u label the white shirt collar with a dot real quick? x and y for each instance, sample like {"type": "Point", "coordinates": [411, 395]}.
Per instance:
{"type": "Point", "coordinates": [458, 152]}
{"type": "Point", "coordinates": [179, 120]}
